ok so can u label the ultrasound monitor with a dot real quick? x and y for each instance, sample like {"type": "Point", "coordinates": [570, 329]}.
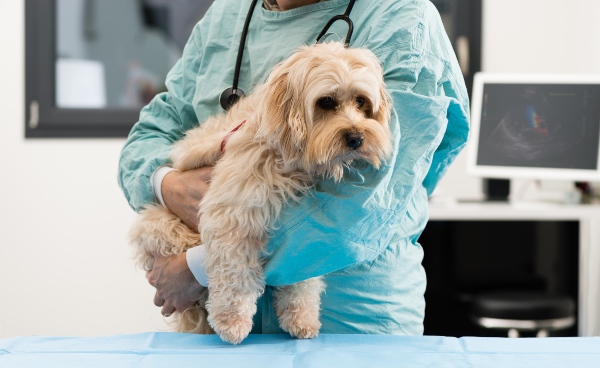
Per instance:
{"type": "Point", "coordinates": [536, 127]}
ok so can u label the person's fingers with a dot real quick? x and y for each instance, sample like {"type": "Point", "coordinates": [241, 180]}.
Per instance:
{"type": "Point", "coordinates": [167, 310]}
{"type": "Point", "coordinates": [153, 274]}
{"type": "Point", "coordinates": [158, 301]}
{"type": "Point", "coordinates": [151, 278]}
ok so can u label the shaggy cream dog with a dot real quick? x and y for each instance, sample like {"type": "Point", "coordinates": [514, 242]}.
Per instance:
{"type": "Point", "coordinates": [319, 110]}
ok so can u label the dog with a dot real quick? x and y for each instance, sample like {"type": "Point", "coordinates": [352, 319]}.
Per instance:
{"type": "Point", "coordinates": [317, 112]}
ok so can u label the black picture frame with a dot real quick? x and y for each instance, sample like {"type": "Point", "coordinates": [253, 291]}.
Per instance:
{"type": "Point", "coordinates": [42, 118]}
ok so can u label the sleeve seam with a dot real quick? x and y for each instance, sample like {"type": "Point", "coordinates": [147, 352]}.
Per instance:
{"type": "Point", "coordinates": [449, 70]}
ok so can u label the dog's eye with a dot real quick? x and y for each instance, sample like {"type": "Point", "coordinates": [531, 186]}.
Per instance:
{"type": "Point", "coordinates": [360, 101]}
{"type": "Point", "coordinates": [327, 103]}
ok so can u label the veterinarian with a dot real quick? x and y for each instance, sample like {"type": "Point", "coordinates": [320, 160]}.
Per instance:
{"type": "Point", "coordinates": [362, 233]}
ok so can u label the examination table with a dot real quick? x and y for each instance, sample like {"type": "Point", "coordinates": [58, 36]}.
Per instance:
{"type": "Point", "coordinates": [165, 349]}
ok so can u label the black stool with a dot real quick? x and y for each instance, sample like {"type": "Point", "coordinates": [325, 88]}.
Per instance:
{"type": "Point", "coordinates": [518, 311]}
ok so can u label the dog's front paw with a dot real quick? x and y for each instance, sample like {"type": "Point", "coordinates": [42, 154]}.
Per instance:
{"type": "Point", "coordinates": [232, 328]}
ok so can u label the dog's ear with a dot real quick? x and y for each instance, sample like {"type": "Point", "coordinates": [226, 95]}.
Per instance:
{"type": "Point", "coordinates": [383, 109]}
{"type": "Point", "coordinates": [382, 114]}
{"type": "Point", "coordinates": [283, 119]}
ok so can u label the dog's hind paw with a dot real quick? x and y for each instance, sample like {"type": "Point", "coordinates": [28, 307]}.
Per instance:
{"type": "Point", "coordinates": [304, 332]}
{"type": "Point", "coordinates": [300, 326]}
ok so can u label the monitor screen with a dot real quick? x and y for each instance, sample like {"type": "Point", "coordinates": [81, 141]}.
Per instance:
{"type": "Point", "coordinates": [538, 127]}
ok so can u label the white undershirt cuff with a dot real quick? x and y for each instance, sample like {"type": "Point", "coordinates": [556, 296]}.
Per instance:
{"type": "Point", "coordinates": [156, 180]}
{"type": "Point", "coordinates": [195, 259]}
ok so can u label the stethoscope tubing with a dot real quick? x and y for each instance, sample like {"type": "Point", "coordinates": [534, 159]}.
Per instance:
{"type": "Point", "coordinates": [346, 18]}
{"type": "Point", "coordinates": [231, 95]}
{"type": "Point", "coordinates": [238, 62]}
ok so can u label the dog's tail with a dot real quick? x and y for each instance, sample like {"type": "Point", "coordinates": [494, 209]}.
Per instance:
{"type": "Point", "coordinates": [194, 319]}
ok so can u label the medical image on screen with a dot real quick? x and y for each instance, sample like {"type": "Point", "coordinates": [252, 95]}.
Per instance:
{"type": "Point", "coordinates": [543, 125]}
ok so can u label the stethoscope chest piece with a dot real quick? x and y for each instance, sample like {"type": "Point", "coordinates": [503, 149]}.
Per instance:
{"type": "Point", "coordinates": [230, 97]}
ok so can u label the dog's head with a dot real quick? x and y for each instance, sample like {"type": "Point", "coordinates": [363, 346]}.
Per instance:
{"type": "Point", "coordinates": [326, 106]}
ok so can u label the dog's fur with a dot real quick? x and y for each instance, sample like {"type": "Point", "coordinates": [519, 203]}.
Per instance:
{"type": "Point", "coordinates": [297, 128]}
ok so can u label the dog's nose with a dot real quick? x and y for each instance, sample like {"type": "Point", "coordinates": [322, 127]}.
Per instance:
{"type": "Point", "coordinates": [354, 140]}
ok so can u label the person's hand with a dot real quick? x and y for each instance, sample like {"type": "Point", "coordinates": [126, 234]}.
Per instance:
{"type": "Point", "coordinates": [182, 192]}
{"type": "Point", "coordinates": [176, 287]}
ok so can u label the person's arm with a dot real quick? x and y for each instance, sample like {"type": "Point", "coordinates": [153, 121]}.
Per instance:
{"type": "Point", "coordinates": [162, 122]}
{"type": "Point", "coordinates": [180, 279]}
{"type": "Point", "coordinates": [183, 191]}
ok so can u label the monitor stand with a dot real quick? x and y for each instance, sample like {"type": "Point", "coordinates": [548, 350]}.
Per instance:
{"type": "Point", "coordinates": [496, 190]}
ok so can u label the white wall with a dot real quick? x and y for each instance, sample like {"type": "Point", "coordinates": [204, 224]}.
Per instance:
{"type": "Point", "coordinates": [532, 36]}
{"type": "Point", "coordinates": [541, 36]}
{"type": "Point", "coordinates": [65, 265]}
{"type": "Point", "coordinates": [64, 261]}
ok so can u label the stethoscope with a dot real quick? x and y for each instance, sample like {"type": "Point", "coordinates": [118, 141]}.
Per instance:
{"type": "Point", "coordinates": [233, 94]}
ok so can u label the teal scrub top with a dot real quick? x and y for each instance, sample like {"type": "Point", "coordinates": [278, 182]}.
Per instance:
{"type": "Point", "coordinates": [362, 233]}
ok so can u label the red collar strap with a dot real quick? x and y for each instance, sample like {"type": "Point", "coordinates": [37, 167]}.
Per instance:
{"type": "Point", "coordinates": [226, 138]}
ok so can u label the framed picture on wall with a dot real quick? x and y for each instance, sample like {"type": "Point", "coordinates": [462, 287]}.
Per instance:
{"type": "Point", "coordinates": [91, 65]}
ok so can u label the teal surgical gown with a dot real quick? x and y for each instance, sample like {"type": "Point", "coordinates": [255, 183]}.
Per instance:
{"type": "Point", "coordinates": [362, 233]}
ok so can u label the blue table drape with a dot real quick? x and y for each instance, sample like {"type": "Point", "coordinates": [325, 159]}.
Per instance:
{"type": "Point", "coordinates": [147, 350]}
